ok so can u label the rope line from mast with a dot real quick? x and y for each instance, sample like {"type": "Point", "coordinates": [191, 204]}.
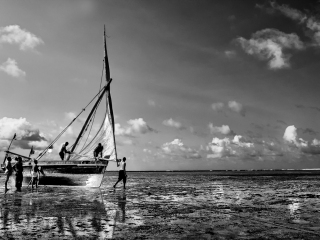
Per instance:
{"type": "Point", "coordinates": [65, 129]}
{"type": "Point", "coordinates": [94, 115]}
{"type": "Point", "coordinates": [88, 124]}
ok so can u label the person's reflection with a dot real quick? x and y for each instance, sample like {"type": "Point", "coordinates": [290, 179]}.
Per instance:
{"type": "Point", "coordinates": [17, 208]}
{"type": "Point", "coordinates": [96, 217]}
{"type": "Point", "coordinates": [70, 224]}
{"type": "Point", "coordinates": [5, 212]}
{"type": "Point", "coordinates": [122, 205]}
{"type": "Point", "coordinates": [96, 223]}
{"type": "Point", "coordinates": [60, 224]}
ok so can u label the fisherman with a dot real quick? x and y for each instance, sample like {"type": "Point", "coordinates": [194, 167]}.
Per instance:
{"type": "Point", "coordinates": [18, 168]}
{"type": "Point", "coordinates": [8, 173]}
{"type": "Point", "coordinates": [63, 150]}
{"type": "Point", "coordinates": [35, 174]}
{"type": "Point", "coordinates": [122, 173]}
{"type": "Point", "coordinates": [98, 150]}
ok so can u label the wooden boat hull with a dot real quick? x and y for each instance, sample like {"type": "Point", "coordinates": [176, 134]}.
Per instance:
{"type": "Point", "coordinates": [61, 173]}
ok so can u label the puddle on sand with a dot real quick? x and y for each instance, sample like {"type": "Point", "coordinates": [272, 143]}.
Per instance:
{"type": "Point", "coordinates": [62, 213]}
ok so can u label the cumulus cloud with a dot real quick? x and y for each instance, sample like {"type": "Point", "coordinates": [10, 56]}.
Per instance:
{"type": "Point", "coordinates": [139, 126]}
{"type": "Point", "coordinates": [290, 136]}
{"type": "Point", "coordinates": [311, 22]}
{"type": "Point", "coordinates": [178, 149]}
{"type": "Point", "coordinates": [236, 107]}
{"type": "Point", "coordinates": [13, 34]}
{"type": "Point", "coordinates": [289, 12]}
{"type": "Point", "coordinates": [135, 126]}
{"type": "Point", "coordinates": [145, 150]}
{"type": "Point", "coordinates": [269, 44]}
{"type": "Point", "coordinates": [125, 142]}
{"type": "Point", "coordinates": [224, 129]}
{"type": "Point", "coordinates": [232, 105]}
{"type": "Point", "coordinates": [26, 134]}
{"type": "Point", "coordinates": [120, 130]}
{"type": "Point", "coordinates": [230, 53]}
{"type": "Point", "coordinates": [217, 106]}
{"type": "Point", "coordinates": [227, 147]}
{"type": "Point", "coordinates": [4, 144]}
{"type": "Point", "coordinates": [248, 148]}
{"type": "Point", "coordinates": [11, 68]}
{"type": "Point", "coordinates": [172, 123]}
{"type": "Point", "coordinates": [240, 141]}
{"type": "Point", "coordinates": [315, 142]}
{"type": "Point", "coordinates": [219, 148]}
{"type": "Point", "coordinates": [38, 145]}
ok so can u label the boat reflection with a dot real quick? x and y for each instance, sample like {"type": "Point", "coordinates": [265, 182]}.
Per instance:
{"type": "Point", "coordinates": [60, 213]}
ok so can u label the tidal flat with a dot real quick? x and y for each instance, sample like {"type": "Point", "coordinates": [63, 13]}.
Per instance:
{"type": "Point", "coordinates": [168, 205]}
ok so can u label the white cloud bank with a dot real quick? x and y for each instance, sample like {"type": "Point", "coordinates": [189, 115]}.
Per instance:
{"type": "Point", "coordinates": [269, 44]}
{"type": "Point", "coordinates": [11, 68]}
{"type": "Point", "coordinates": [311, 22]}
{"type": "Point", "coordinates": [217, 106]}
{"type": "Point", "coordinates": [135, 126]}
{"type": "Point", "coordinates": [13, 34]}
{"type": "Point", "coordinates": [228, 147]}
{"type": "Point", "coordinates": [224, 129]}
{"type": "Point", "coordinates": [26, 134]}
{"type": "Point", "coordinates": [232, 105]}
{"type": "Point", "coordinates": [177, 148]}
{"type": "Point", "coordinates": [172, 123]}
{"type": "Point", "coordinates": [291, 136]}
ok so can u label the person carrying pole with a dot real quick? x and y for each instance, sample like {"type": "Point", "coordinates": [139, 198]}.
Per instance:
{"type": "Point", "coordinates": [122, 173]}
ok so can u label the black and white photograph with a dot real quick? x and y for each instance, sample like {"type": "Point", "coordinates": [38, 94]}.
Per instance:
{"type": "Point", "coordinates": [160, 119]}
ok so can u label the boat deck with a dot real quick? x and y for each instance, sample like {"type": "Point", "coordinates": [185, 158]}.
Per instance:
{"type": "Point", "coordinates": [57, 163]}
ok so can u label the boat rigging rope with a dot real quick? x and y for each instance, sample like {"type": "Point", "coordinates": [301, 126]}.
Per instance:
{"type": "Point", "coordinates": [65, 129]}
{"type": "Point", "coordinates": [94, 115]}
{"type": "Point", "coordinates": [90, 120]}
{"type": "Point", "coordinates": [94, 138]}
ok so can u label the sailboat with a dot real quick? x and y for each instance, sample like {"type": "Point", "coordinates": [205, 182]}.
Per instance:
{"type": "Point", "coordinates": [81, 168]}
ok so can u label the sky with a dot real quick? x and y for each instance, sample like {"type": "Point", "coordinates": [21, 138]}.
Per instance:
{"type": "Point", "coordinates": [197, 85]}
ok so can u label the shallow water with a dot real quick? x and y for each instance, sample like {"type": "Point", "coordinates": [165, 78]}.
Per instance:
{"type": "Point", "coordinates": [168, 206]}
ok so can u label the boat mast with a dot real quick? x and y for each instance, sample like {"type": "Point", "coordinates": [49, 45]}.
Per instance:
{"type": "Point", "coordinates": [108, 93]}
{"type": "Point", "coordinates": [109, 102]}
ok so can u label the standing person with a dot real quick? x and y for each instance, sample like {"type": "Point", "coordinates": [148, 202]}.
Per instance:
{"type": "Point", "coordinates": [98, 150]}
{"type": "Point", "coordinates": [8, 173]}
{"type": "Point", "coordinates": [122, 173]}
{"type": "Point", "coordinates": [35, 174]}
{"type": "Point", "coordinates": [18, 168]}
{"type": "Point", "coordinates": [63, 150]}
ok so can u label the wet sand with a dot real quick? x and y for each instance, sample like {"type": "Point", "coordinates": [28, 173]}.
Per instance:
{"type": "Point", "coordinates": [168, 206]}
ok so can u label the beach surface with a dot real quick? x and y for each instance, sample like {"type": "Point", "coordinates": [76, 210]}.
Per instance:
{"type": "Point", "coordinates": [168, 205]}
